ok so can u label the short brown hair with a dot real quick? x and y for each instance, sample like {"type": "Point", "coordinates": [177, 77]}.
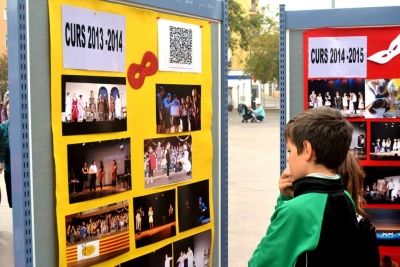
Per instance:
{"type": "Point", "coordinates": [327, 131]}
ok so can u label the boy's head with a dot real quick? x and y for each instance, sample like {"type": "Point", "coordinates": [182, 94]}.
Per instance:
{"type": "Point", "coordinates": [319, 136]}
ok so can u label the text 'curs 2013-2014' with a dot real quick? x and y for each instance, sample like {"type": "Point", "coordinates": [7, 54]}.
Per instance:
{"type": "Point", "coordinates": [93, 37]}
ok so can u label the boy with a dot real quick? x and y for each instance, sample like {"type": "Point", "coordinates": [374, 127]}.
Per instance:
{"type": "Point", "coordinates": [314, 223]}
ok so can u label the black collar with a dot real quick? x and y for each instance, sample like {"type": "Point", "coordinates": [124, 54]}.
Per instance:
{"type": "Point", "coordinates": [311, 184]}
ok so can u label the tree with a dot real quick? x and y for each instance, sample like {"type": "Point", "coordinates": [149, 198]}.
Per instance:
{"type": "Point", "coordinates": [3, 73]}
{"type": "Point", "coordinates": [241, 26]}
{"type": "Point", "coordinates": [263, 60]}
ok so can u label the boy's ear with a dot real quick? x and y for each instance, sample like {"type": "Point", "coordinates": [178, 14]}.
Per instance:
{"type": "Point", "coordinates": [308, 151]}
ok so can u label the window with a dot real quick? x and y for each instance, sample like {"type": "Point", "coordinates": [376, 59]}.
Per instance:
{"type": "Point", "coordinates": [6, 40]}
{"type": "Point", "coordinates": [5, 13]}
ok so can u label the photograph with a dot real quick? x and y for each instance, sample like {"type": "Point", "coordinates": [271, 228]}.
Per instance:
{"type": "Point", "coordinates": [154, 217]}
{"type": "Point", "coordinates": [161, 257]}
{"type": "Point", "coordinates": [178, 108]}
{"type": "Point", "coordinates": [167, 161]}
{"type": "Point", "coordinates": [346, 95]}
{"type": "Point", "coordinates": [382, 98]}
{"type": "Point", "coordinates": [97, 235]}
{"type": "Point", "coordinates": [385, 141]}
{"type": "Point", "coordinates": [382, 184]}
{"type": "Point", "coordinates": [98, 169]}
{"type": "Point", "coordinates": [357, 146]}
{"type": "Point", "coordinates": [93, 104]}
{"type": "Point", "coordinates": [193, 251]}
{"type": "Point", "coordinates": [387, 223]}
{"type": "Point", "coordinates": [193, 205]}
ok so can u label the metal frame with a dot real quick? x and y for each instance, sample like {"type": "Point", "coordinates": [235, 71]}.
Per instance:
{"type": "Point", "coordinates": [224, 139]}
{"type": "Point", "coordinates": [20, 135]}
{"type": "Point", "coordinates": [293, 22]}
{"type": "Point", "coordinates": [29, 83]}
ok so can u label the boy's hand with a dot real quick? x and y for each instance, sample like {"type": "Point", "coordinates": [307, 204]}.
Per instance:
{"type": "Point", "coordinates": [285, 183]}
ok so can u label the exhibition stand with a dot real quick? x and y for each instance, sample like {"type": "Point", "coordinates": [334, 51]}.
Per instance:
{"type": "Point", "coordinates": [118, 132]}
{"type": "Point", "coordinates": [348, 59]}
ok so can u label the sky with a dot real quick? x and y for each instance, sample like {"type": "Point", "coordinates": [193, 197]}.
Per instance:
{"type": "Point", "coordinates": [327, 4]}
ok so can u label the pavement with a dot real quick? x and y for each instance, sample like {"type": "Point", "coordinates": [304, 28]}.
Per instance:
{"type": "Point", "coordinates": [253, 188]}
{"type": "Point", "coordinates": [254, 154]}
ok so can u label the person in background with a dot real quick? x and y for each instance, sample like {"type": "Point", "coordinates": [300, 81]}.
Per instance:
{"type": "Point", "coordinates": [353, 180]}
{"type": "Point", "coordinates": [390, 187]}
{"type": "Point", "coordinates": [114, 174]}
{"type": "Point", "coordinates": [387, 262]}
{"type": "Point", "coordinates": [5, 152]}
{"type": "Point", "coordinates": [260, 111]}
{"type": "Point", "coordinates": [100, 174]}
{"type": "Point", "coordinates": [253, 101]}
{"type": "Point", "coordinates": [166, 112]}
{"type": "Point", "coordinates": [159, 109]}
{"type": "Point", "coordinates": [93, 173]}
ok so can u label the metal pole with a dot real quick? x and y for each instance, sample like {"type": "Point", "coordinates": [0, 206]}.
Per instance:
{"type": "Point", "coordinates": [333, 3]}
{"type": "Point", "coordinates": [251, 83]}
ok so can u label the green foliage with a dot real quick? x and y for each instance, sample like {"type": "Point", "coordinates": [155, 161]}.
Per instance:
{"type": "Point", "coordinates": [3, 73]}
{"type": "Point", "coordinates": [241, 26]}
{"type": "Point", "coordinates": [263, 61]}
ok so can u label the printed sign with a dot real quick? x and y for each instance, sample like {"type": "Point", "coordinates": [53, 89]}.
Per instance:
{"type": "Point", "coordinates": [93, 40]}
{"type": "Point", "coordinates": [337, 57]}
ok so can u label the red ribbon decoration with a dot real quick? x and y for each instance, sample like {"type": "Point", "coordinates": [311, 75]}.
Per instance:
{"type": "Point", "coordinates": [142, 70]}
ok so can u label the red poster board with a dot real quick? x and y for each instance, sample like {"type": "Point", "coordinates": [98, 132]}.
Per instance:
{"type": "Point", "coordinates": [381, 70]}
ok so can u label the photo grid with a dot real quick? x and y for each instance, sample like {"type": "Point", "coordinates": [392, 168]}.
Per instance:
{"type": "Point", "coordinates": [346, 95]}
{"type": "Point", "coordinates": [98, 169]}
{"type": "Point", "coordinates": [93, 104]}
{"type": "Point", "coordinates": [167, 161]}
{"type": "Point", "coordinates": [178, 108]}
{"type": "Point", "coordinates": [97, 235]}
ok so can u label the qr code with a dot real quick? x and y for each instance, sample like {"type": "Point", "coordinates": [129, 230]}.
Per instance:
{"type": "Point", "coordinates": [180, 45]}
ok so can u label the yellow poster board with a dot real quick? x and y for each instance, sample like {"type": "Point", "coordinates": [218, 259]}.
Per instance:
{"type": "Point", "coordinates": [148, 203]}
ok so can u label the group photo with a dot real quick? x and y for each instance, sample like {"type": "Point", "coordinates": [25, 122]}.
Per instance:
{"type": "Point", "coordinates": [167, 161]}
{"type": "Point", "coordinates": [382, 98]}
{"type": "Point", "coordinates": [93, 104]}
{"type": "Point", "coordinates": [358, 141]}
{"type": "Point", "coordinates": [178, 108]}
{"type": "Point", "coordinates": [387, 223]}
{"type": "Point", "coordinates": [193, 251]}
{"type": "Point", "coordinates": [193, 205]}
{"type": "Point", "coordinates": [97, 235]}
{"type": "Point", "coordinates": [385, 138]}
{"type": "Point", "coordinates": [154, 217]}
{"type": "Point", "coordinates": [346, 95]}
{"type": "Point", "coordinates": [382, 184]}
{"type": "Point", "coordinates": [161, 257]}
{"type": "Point", "coordinates": [98, 169]}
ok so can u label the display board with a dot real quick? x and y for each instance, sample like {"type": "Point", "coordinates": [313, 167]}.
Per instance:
{"type": "Point", "coordinates": [353, 69]}
{"type": "Point", "coordinates": [131, 120]}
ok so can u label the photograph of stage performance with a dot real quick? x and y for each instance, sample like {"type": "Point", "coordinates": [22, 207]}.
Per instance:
{"type": "Point", "coordinates": [154, 217]}
{"type": "Point", "coordinates": [93, 104]}
{"type": "Point", "coordinates": [385, 138]}
{"type": "Point", "coordinates": [193, 251]}
{"type": "Point", "coordinates": [382, 184]}
{"type": "Point", "coordinates": [346, 95]}
{"type": "Point", "coordinates": [178, 108]}
{"type": "Point", "coordinates": [357, 146]}
{"type": "Point", "coordinates": [161, 257]}
{"type": "Point", "coordinates": [98, 169]}
{"type": "Point", "coordinates": [167, 161]}
{"type": "Point", "coordinates": [387, 223]}
{"type": "Point", "coordinates": [97, 235]}
{"type": "Point", "coordinates": [382, 98]}
{"type": "Point", "coordinates": [193, 205]}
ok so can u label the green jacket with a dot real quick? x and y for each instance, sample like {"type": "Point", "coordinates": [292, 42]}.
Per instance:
{"type": "Point", "coordinates": [318, 227]}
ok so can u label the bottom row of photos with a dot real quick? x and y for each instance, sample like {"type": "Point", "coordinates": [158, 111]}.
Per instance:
{"type": "Point", "coordinates": [191, 251]}
{"type": "Point", "coordinates": [97, 235]}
